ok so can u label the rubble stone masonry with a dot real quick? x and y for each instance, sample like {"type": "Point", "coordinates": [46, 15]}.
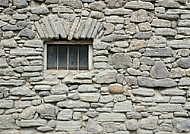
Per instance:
{"type": "Point", "coordinates": [140, 78]}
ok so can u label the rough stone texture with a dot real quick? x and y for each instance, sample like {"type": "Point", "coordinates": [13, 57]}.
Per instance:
{"type": "Point", "coordinates": [138, 77]}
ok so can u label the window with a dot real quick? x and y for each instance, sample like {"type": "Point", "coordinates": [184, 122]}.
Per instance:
{"type": "Point", "coordinates": [68, 56]}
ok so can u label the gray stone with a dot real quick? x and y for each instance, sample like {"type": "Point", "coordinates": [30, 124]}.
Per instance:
{"type": "Point", "coordinates": [20, 3]}
{"type": "Point", "coordinates": [29, 33]}
{"type": "Point", "coordinates": [115, 19]}
{"type": "Point", "coordinates": [106, 99]}
{"type": "Point", "coordinates": [157, 41]}
{"type": "Point", "coordinates": [139, 16]}
{"type": "Point", "coordinates": [134, 115]}
{"type": "Point", "coordinates": [6, 103]}
{"type": "Point", "coordinates": [106, 76]}
{"type": "Point", "coordinates": [111, 128]}
{"type": "Point", "coordinates": [183, 30]}
{"type": "Point", "coordinates": [20, 16]}
{"type": "Point", "coordinates": [101, 65]}
{"type": "Point", "coordinates": [10, 43]}
{"type": "Point", "coordinates": [121, 60]}
{"type": "Point", "coordinates": [9, 27]}
{"type": "Point", "coordinates": [87, 88]}
{"type": "Point", "coordinates": [182, 125]}
{"type": "Point", "coordinates": [177, 73]}
{"type": "Point", "coordinates": [31, 123]}
{"type": "Point", "coordinates": [125, 106]}
{"type": "Point", "coordinates": [90, 97]}
{"type": "Point", "coordinates": [165, 32]}
{"type": "Point", "coordinates": [65, 114]}
{"type": "Point", "coordinates": [139, 5]}
{"type": "Point", "coordinates": [45, 129]}
{"type": "Point", "coordinates": [51, 1]}
{"type": "Point", "coordinates": [161, 23]}
{"type": "Point", "coordinates": [179, 44]}
{"type": "Point", "coordinates": [132, 125]}
{"type": "Point", "coordinates": [59, 89]}
{"type": "Point", "coordinates": [34, 43]}
{"type": "Point", "coordinates": [68, 126]}
{"type": "Point", "coordinates": [143, 35]}
{"type": "Point", "coordinates": [119, 11]}
{"type": "Point", "coordinates": [169, 108]}
{"type": "Point", "coordinates": [111, 117]}
{"type": "Point", "coordinates": [142, 131]}
{"type": "Point", "coordinates": [147, 61]}
{"type": "Point", "coordinates": [91, 114]}
{"type": "Point", "coordinates": [73, 3]}
{"type": "Point", "coordinates": [10, 131]}
{"type": "Point", "coordinates": [159, 70]}
{"type": "Point", "coordinates": [115, 3]}
{"type": "Point", "coordinates": [98, 5]}
{"type": "Point", "coordinates": [149, 82]}
{"type": "Point", "coordinates": [22, 91]}
{"type": "Point", "coordinates": [184, 81]}
{"type": "Point", "coordinates": [94, 127]}
{"type": "Point", "coordinates": [149, 123]}
{"type": "Point", "coordinates": [40, 10]}
{"type": "Point", "coordinates": [184, 63]}
{"type": "Point", "coordinates": [3, 63]}
{"type": "Point", "coordinates": [173, 92]}
{"type": "Point", "coordinates": [73, 104]}
{"type": "Point", "coordinates": [178, 99]}
{"type": "Point", "coordinates": [143, 92]}
{"type": "Point", "coordinates": [28, 113]}
{"type": "Point", "coordinates": [6, 122]}
{"type": "Point", "coordinates": [46, 111]}
{"type": "Point", "coordinates": [4, 3]}
{"type": "Point", "coordinates": [158, 52]}
{"type": "Point", "coordinates": [11, 82]}
{"type": "Point", "coordinates": [114, 37]}
{"type": "Point", "coordinates": [55, 98]}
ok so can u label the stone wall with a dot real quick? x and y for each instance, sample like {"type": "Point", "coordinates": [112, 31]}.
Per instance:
{"type": "Point", "coordinates": [139, 83]}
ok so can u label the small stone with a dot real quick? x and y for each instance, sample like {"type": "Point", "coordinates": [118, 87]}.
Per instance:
{"type": "Point", "coordinates": [184, 63]}
{"type": "Point", "coordinates": [137, 44]}
{"type": "Point", "coordinates": [132, 125]}
{"type": "Point", "coordinates": [98, 5]}
{"type": "Point", "coordinates": [125, 106]}
{"type": "Point", "coordinates": [143, 92]}
{"type": "Point", "coordinates": [149, 123]}
{"type": "Point", "coordinates": [139, 16]}
{"type": "Point", "coordinates": [46, 111]}
{"type": "Point", "coordinates": [139, 5]}
{"type": "Point", "coordinates": [27, 33]}
{"type": "Point", "coordinates": [20, 3]}
{"type": "Point", "coordinates": [73, 3]}
{"type": "Point", "coordinates": [40, 10]}
{"type": "Point", "coordinates": [65, 114]}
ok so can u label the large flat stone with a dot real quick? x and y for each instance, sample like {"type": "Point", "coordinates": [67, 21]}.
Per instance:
{"type": "Point", "coordinates": [68, 126]}
{"type": "Point", "coordinates": [6, 103]}
{"type": "Point", "coordinates": [125, 106]}
{"type": "Point", "coordinates": [31, 123]}
{"type": "Point", "coordinates": [149, 82]}
{"type": "Point", "coordinates": [6, 122]}
{"type": "Point", "coordinates": [111, 117]}
{"type": "Point", "coordinates": [90, 97]}
{"type": "Point", "coordinates": [169, 108]}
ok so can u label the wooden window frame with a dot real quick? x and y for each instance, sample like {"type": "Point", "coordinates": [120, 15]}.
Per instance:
{"type": "Point", "coordinates": [70, 43]}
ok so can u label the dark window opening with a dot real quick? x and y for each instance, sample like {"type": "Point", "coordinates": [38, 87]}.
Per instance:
{"type": "Point", "coordinates": [67, 57]}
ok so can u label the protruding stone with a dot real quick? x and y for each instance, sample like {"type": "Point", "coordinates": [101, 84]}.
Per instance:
{"type": "Point", "coordinates": [28, 113]}
{"type": "Point", "coordinates": [184, 63]}
{"type": "Point", "coordinates": [157, 41]}
{"type": "Point", "coordinates": [29, 33]}
{"type": "Point", "coordinates": [149, 123]}
{"type": "Point", "coordinates": [10, 43]}
{"type": "Point", "coordinates": [98, 5]}
{"type": "Point", "coordinates": [159, 70]}
{"type": "Point", "coordinates": [65, 114]}
{"type": "Point", "coordinates": [4, 3]}
{"type": "Point", "coordinates": [143, 92]}
{"type": "Point", "coordinates": [46, 111]}
{"type": "Point", "coordinates": [116, 89]}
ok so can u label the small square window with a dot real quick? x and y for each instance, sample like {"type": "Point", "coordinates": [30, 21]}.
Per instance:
{"type": "Point", "coordinates": [68, 56]}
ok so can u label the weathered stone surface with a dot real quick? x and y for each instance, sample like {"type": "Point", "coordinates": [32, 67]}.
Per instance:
{"type": "Point", "coordinates": [20, 3]}
{"type": "Point", "coordinates": [55, 98]}
{"type": "Point", "coordinates": [34, 43]}
{"type": "Point", "coordinates": [132, 125]}
{"type": "Point", "coordinates": [114, 37]}
{"type": "Point", "coordinates": [68, 126]}
{"type": "Point", "coordinates": [111, 117]}
{"type": "Point", "coordinates": [6, 103]}
{"type": "Point", "coordinates": [6, 122]}
{"type": "Point", "coordinates": [121, 60]}
{"type": "Point", "coordinates": [90, 97]}
{"type": "Point", "coordinates": [46, 111]}
{"type": "Point", "coordinates": [169, 108]}
{"type": "Point", "coordinates": [40, 10]}
{"type": "Point", "coordinates": [161, 23]}
{"type": "Point", "coordinates": [12, 82]}
{"type": "Point", "coordinates": [62, 9]}
{"type": "Point", "coordinates": [173, 92]}
{"type": "Point", "coordinates": [28, 113]}
{"type": "Point", "coordinates": [116, 89]}
{"type": "Point", "coordinates": [10, 43]}
{"type": "Point", "coordinates": [59, 89]}
{"type": "Point", "coordinates": [139, 5]}
{"type": "Point", "coordinates": [22, 91]}
{"type": "Point", "coordinates": [182, 125]}
{"type": "Point", "coordinates": [115, 3]}
{"type": "Point", "coordinates": [166, 32]}
{"type": "Point", "coordinates": [159, 70]}
{"type": "Point", "coordinates": [94, 127]}
{"type": "Point", "coordinates": [143, 92]}
{"type": "Point", "coordinates": [149, 82]}
{"type": "Point", "coordinates": [24, 51]}
{"type": "Point", "coordinates": [65, 114]}
{"type": "Point", "coordinates": [3, 63]}
{"type": "Point", "coordinates": [179, 43]}
{"type": "Point", "coordinates": [143, 35]}
{"type": "Point", "coordinates": [119, 11]}
{"type": "Point", "coordinates": [149, 123]}
{"type": "Point", "coordinates": [183, 30]}
{"type": "Point", "coordinates": [4, 3]}
{"type": "Point", "coordinates": [87, 88]}
{"type": "Point", "coordinates": [158, 52]}
{"type": "Point", "coordinates": [184, 63]}
{"type": "Point", "coordinates": [31, 123]}
{"type": "Point", "coordinates": [72, 3]}
{"type": "Point", "coordinates": [157, 41]}
{"type": "Point", "coordinates": [107, 76]}
{"type": "Point", "coordinates": [178, 100]}
{"type": "Point", "coordinates": [139, 16]}
{"type": "Point", "coordinates": [98, 6]}
{"type": "Point", "coordinates": [73, 104]}
{"type": "Point", "coordinates": [125, 106]}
